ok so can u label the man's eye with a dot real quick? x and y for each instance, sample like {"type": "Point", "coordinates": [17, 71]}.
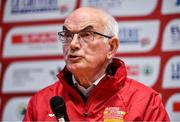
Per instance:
{"type": "Point", "coordinates": [68, 35]}
{"type": "Point", "coordinates": [85, 34]}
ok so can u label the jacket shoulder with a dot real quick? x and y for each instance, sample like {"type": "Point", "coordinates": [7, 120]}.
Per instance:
{"type": "Point", "coordinates": [140, 87]}
{"type": "Point", "coordinates": [144, 101]}
{"type": "Point", "coordinates": [53, 88]}
{"type": "Point", "coordinates": [38, 106]}
{"type": "Point", "coordinates": [137, 91]}
{"type": "Point", "coordinates": [45, 94]}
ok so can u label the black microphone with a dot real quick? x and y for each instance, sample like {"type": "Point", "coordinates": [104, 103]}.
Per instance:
{"type": "Point", "coordinates": [59, 108]}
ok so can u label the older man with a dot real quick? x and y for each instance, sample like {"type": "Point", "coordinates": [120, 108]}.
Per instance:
{"type": "Point", "coordinates": [93, 84]}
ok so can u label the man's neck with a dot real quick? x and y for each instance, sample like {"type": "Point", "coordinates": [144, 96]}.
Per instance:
{"type": "Point", "coordinates": [76, 83]}
{"type": "Point", "coordinates": [88, 77]}
{"type": "Point", "coordinates": [87, 80]}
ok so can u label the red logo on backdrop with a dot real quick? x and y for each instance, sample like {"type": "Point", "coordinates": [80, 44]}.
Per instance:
{"type": "Point", "coordinates": [176, 107]}
{"type": "Point", "coordinates": [133, 70]}
{"type": "Point", "coordinates": [145, 41]}
{"type": "Point", "coordinates": [63, 8]}
{"type": "Point", "coordinates": [34, 38]}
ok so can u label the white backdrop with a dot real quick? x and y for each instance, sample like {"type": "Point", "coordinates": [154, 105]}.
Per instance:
{"type": "Point", "coordinates": [31, 55]}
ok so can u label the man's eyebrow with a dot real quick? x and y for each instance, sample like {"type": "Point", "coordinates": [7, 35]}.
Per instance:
{"type": "Point", "coordinates": [64, 28]}
{"type": "Point", "coordinates": [90, 27]}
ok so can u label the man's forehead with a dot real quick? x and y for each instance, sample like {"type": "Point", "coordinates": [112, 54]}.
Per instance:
{"type": "Point", "coordinates": [89, 27]}
{"type": "Point", "coordinates": [83, 18]}
{"type": "Point", "coordinates": [75, 25]}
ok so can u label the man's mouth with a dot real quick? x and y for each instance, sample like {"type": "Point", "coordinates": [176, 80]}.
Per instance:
{"type": "Point", "coordinates": [73, 57]}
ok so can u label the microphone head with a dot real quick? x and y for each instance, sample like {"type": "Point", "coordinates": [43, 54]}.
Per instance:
{"type": "Point", "coordinates": [58, 106]}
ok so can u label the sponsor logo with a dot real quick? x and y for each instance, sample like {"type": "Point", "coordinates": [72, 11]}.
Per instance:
{"type": "Point", "coordinates": [34, 41]}
{"type": "Point", "coordinates": [133, 70]}
{"type": "Point", "coordinates": [138, 36]}
{"type": "Point", "coordinates": [46, 37]}
{"type": "Point", "coordinates": [29, 6]}
{"type": "Point", "coordinates": [104, 4]}
{"type": "Point", "coordinates": [34, 10]}
{"type": "Point", "coordinates": [171, 75]}
{"type": "Point", "coordinates": [175, 71]}
{"type": "Point", "coordinates": [177, 2]}
{"type": "Point", "coordinates": [121, 7]}
{"type": "Point", "coordinates": [175, 33]}
{"type": "Point", "coordinates": [21, 110]}
{"type": "Point", "coordinates": [146, 71]}
{"type": "Point", "coordinates": [171, 36]}
{"type": "Point", "coordinates": [30, 76]}
{"type": "Point", "coordinates": [113, 114]}
{"type": "Point", "coordinates": [137, 70]}
{"type": "Point", "coordinates": [15, 109]}
{"type": "Point", "coordinates": [170, 7]}
{"type": "Point", "coordinates": [173, 107]}
{"type": "Point", "coordinates": [131, 36]}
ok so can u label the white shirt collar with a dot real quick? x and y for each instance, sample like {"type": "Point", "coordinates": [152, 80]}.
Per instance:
{"type": "Point", "coordinates": [87, 91]}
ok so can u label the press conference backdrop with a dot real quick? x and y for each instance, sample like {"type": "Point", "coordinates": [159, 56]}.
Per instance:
{"type": "Point", "coordinates": [31, 54]}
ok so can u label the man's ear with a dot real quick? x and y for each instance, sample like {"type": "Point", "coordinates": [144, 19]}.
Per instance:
{"type": "Point", "coordinates": [113, 46]}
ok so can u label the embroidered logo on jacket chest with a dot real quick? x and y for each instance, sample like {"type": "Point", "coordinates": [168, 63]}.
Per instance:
{"type": "Point", "coordinates": [114, 114]}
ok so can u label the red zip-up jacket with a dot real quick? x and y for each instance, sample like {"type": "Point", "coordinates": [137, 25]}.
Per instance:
{"type": "Point", "coordinates": [115, 97]}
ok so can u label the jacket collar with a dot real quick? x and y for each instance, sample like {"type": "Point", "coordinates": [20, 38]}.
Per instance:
{"type": "Point", "coordinates": [115, 69]}
{"type": "Point", "coordinates": [115, 77]}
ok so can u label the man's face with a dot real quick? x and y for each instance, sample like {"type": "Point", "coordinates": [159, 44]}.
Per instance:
{"type": "Point", "coordinates": [87, 55]}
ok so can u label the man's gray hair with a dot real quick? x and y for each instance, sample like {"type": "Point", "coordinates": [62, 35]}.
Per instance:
{"type": "Point", "coordinates": [111, 26]}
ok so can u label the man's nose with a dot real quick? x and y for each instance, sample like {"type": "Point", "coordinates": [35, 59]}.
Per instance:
{"type": "Point", "coordinates": [75, 44]}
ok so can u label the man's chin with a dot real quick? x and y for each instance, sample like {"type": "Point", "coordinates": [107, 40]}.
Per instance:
{"type": "Point", "coordinates": [75, 67]}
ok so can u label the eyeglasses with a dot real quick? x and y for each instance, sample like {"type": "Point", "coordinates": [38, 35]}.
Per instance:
{"type": "Point", "coordinates": [85, 36]}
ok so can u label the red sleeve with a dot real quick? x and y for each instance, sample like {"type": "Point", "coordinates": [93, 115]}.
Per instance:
{"type": "Point", "coordinates": [155, 110]}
